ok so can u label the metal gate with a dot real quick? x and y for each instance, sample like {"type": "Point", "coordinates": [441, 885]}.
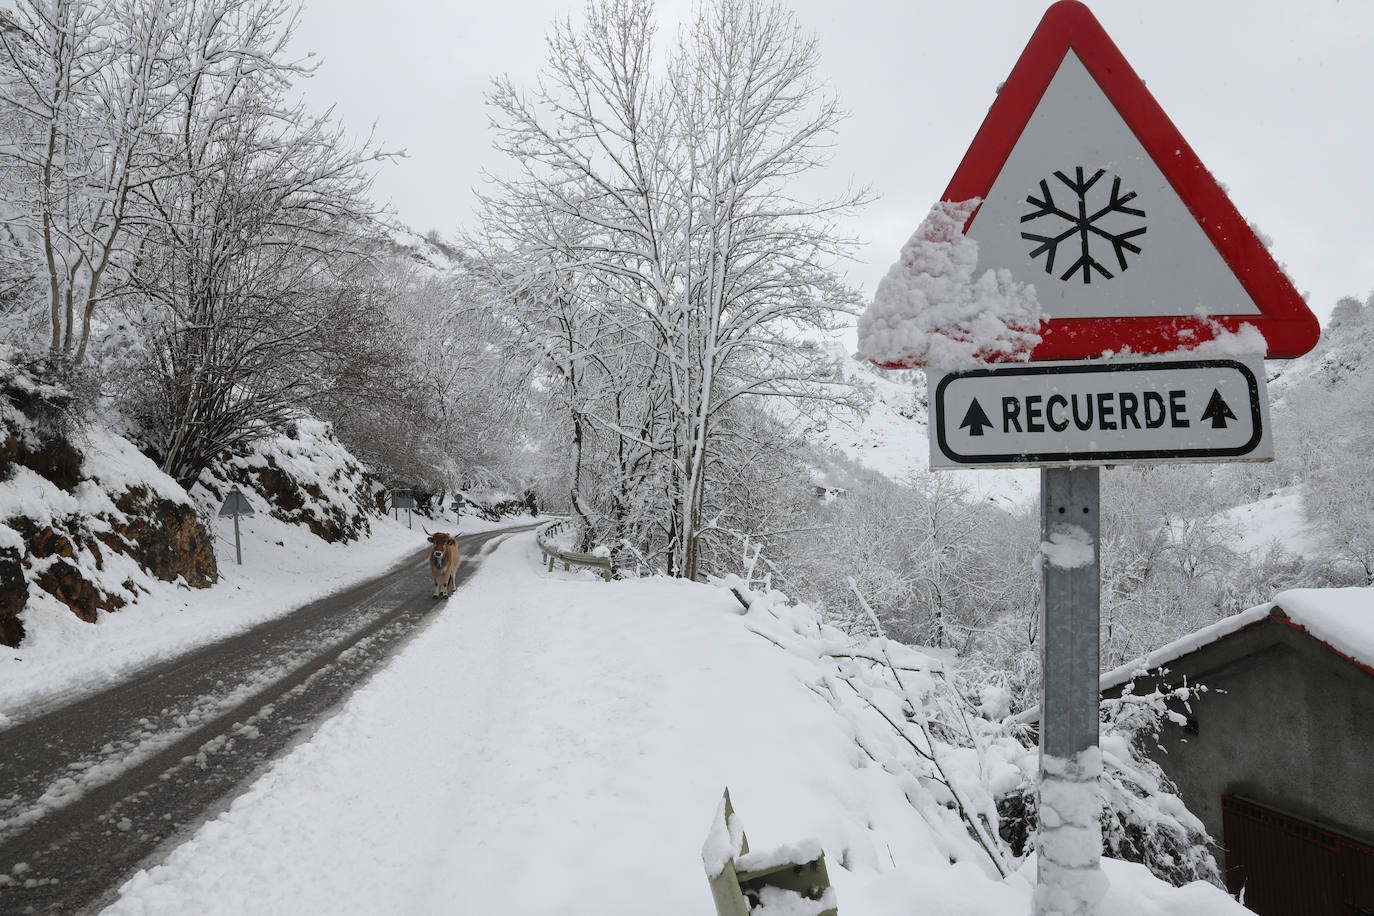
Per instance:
{"type": "Point", "coordinates": [1290, 867]}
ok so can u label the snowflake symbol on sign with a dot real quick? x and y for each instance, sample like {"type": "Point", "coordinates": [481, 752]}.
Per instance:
{"type": "Point", "coordinates": [1110, 222]}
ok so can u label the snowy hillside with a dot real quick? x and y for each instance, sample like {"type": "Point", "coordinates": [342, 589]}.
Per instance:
{"type": "Point", "coordinates": [893, 437]}
{"type": "Point", "coordinates": [1275, 521]}
{"type": "Point", "coordinates": [556, 744]}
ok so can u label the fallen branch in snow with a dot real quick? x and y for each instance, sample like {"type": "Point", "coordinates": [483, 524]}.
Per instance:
{"type": "Point", "coordinates": [867, 657]}
{"type": "Point", "coordinates": [895, 727]}
{"type": "Point", "coordinates": [976, 827]}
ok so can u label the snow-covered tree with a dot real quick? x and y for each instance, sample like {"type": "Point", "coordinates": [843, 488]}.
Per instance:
{"type": "Point", "coordinates": [1338, 495]}
{"type": "Point", "coordinates": [92, 82]}
{"type": "Point", "coordinates": [677, 218]}
{"type": "Point", "coordinates": [245, 245]}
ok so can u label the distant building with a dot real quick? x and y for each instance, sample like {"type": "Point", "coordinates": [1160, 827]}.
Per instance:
{"type": "Point", "coordinates": [1277, 756]}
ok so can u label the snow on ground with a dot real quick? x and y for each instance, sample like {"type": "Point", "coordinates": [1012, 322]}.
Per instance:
{"type": "Point", "coordinates": [894, 440]}
{"type": "Point", "coordinates": [553, 744]}
{"type": "Point", "coordinates": [1276, 519]}
{"type": "Point", "coordinates": [284, 567]}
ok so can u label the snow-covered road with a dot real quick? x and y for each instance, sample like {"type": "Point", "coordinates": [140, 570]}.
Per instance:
{"type": "Point", "coordinates": [108, 779]}
{"type": "Point", "coordinates": [554, 744]}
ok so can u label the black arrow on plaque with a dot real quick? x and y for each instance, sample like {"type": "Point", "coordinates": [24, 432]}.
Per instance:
{"type": "Point", "coordinates": [975, 419]}
{"type": "Point", "coordinates": [1218, 411]}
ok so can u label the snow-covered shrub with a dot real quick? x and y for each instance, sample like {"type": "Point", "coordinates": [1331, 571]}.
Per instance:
{"type": "Point", "coordinates": [502, 507]}
{"type": "Point", "coordinates": [1143, 819]}
{"type": "Point", "coordinates": [972, 771]}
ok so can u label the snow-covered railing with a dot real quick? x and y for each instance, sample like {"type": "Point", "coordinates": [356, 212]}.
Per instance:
{"type": "Point", "coordinates": [544, 537]}
{"type": "Point", "coordinates": [791, 879]}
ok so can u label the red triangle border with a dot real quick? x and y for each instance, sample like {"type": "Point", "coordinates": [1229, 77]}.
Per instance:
{"type": "Point", "coordinates": [1288, 325]}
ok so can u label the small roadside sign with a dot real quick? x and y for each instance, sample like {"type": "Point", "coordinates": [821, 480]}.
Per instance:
{"type": "Point", "coordinates": [236, 504]}
{"type": "Point", "coordinates": [1074, 413]}
{"type": "Point", "coordinates": [403, 499]}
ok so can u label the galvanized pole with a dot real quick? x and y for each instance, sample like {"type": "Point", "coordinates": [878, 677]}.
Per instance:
{"type": "Point", "coordinates": [1070, 879]}
{"type": "Point", "coordinates": [238, 549]}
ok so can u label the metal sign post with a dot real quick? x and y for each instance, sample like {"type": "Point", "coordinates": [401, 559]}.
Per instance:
{"type": "Point", "coordinates": [1078, 186]}
{"type": "Point", "coordinates": [1070, 839]}
{"type": "Point", "coordinates": [403, 499]}
{"type": "Point", "coordinates": [236, 504]}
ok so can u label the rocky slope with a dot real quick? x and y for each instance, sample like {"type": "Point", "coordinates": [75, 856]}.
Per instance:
{"type": "Point", "coordinates": [87, 522]}
{"type": "Point", "coordinates": [85, 519]}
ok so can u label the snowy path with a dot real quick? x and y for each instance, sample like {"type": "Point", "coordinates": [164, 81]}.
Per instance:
{"type": "Point", "coordinates": [555, 745]}
{"type": "Point", "coordinates": [108, 779]}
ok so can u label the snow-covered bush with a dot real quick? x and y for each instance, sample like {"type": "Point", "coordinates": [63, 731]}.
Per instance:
{"type": "Point", "coordinates": [500, 508]}
{"type": "Point", "coordinates": [970, 770]}
{"type": "Point", "coordinates": [1143, 819]}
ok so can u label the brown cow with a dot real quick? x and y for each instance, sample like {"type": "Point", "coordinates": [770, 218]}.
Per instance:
{"type": "Point", "coordinates": [443, 563]}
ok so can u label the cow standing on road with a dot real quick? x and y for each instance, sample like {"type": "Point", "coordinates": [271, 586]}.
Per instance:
{"type": "Point", "coordinates": [443, 563]}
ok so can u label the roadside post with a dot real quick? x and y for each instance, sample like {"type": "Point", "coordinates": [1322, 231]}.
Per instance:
{"type": "Point", "coordinates": [457, 506]}
{"type": "Point", "coordinates": [1078, 185]}
{"type": "Point", "coordinates": [403, 499]}
{"type": "Point", "coordinates": [236, 504]}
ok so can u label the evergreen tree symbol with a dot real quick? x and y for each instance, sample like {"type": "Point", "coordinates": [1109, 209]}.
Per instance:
{"type": "Point", "coordinates": [1109, 222]}
{"type": "Point", "coordinates": [1218, 411]}
{"type": "Point", "coordinates": [975, 419]}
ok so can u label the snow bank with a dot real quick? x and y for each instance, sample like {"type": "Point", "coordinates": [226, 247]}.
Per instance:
{"type": "Point", "coordinates": [930, 310]}
{"type": "Point", "coordinates": [87, 523]}
{"type": "Point", "coordinates": [304, 475]}
{"type": "Point", "coordinates": [284, 567]}
{"type": "Point", "coordinates": [558, 745]}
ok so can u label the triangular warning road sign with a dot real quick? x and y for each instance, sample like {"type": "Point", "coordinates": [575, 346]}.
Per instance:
{"type": "Point", "coordinates": [1089, 192]}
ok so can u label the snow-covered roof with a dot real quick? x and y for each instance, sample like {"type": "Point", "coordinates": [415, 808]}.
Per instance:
{"type": "Point", "coordinates": [1342, 618]}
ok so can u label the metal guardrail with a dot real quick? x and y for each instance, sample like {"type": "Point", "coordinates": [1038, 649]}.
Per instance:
{"type": "Point", "coordinates": [543, 536]}
{"type": "Point", "coordinates": [743, 879]}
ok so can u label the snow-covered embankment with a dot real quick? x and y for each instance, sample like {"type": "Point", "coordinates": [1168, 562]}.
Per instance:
{"type": "Point", "coordinates": [556, 744]}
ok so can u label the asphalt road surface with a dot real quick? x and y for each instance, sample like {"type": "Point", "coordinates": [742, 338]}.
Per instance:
{"type": "Point", "coordinates": [93, 791]}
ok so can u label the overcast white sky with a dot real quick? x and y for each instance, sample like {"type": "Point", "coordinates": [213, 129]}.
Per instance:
{"type": "Point", "coordinates": [1275, 96]}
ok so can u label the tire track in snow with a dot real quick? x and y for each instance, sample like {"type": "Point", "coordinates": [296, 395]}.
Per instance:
{"type": "Point", "coordinates": [94, 790]}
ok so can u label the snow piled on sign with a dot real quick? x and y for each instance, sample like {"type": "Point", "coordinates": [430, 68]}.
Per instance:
{"type": "Point", "coordinates": [1069, 547]}
{"type": "Point", "coordinates": [930, 310]}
